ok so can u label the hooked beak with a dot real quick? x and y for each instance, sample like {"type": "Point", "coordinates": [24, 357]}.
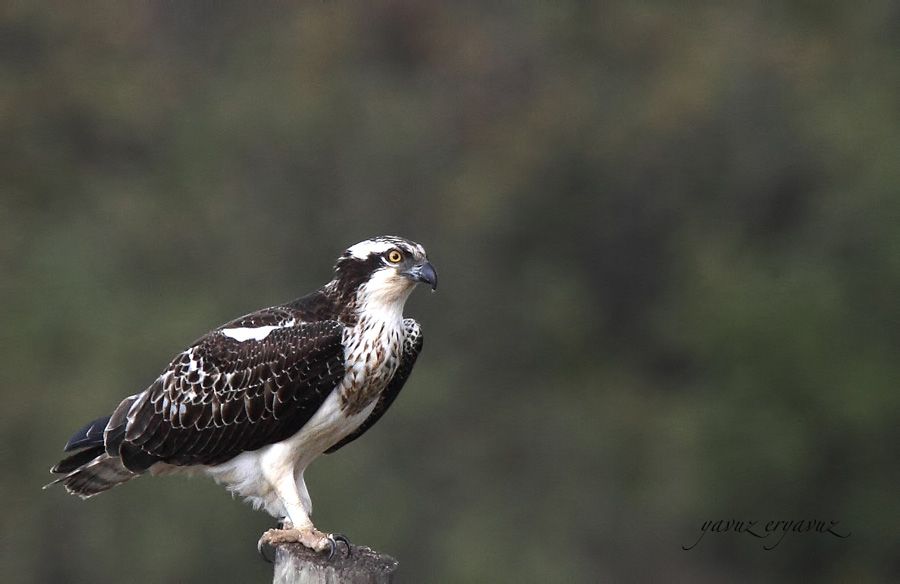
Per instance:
{"type": "Point", "coordinates": [423, 273]}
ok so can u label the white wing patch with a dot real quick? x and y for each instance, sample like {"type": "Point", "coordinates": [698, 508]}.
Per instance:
{"type": "Point", "coordinates": [258, 333]}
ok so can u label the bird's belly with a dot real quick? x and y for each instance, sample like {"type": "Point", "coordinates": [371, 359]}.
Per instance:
{"type": "Point", "coordinates": [328, 426]}
{"type": "Point", "coordinates": [252, 474]}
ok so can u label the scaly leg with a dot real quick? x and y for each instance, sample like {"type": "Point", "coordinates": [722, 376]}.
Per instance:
{"type": "Point", "coordinates": [297, 527]}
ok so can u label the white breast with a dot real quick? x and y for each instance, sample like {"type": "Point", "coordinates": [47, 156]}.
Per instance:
{"type": "Point", "coordinates": [371, 356]}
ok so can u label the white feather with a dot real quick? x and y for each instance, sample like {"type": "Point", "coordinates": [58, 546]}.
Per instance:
{"type": "Point", "coordinates": [258, 333]}
{"type": "Point", "coordinates": [256, 475]}
{"type": "Point", "coordinates": [363, 249]}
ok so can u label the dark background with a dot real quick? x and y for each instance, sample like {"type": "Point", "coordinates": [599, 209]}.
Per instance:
{"type": "Point", "coordinates": [667, 237]}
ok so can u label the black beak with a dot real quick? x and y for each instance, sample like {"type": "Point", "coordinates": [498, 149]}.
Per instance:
{"type": "Point", "coordinates": [424, 273]}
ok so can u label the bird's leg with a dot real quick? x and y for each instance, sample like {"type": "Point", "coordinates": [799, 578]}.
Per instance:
{"type": "Point", "coordinates": [297, 527]}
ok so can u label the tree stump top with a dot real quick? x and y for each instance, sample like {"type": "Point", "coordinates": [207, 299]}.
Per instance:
{"type": "Point", "coordinates": [297, 564]}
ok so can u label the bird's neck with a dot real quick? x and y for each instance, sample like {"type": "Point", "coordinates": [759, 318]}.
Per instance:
{"type": "Point", "coordinates": [369, 304]}
{"type": "Point", "coordinates": [377, 305]}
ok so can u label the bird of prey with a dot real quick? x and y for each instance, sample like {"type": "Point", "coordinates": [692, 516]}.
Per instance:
{"type": "Point", "coordinates": [252, 403]}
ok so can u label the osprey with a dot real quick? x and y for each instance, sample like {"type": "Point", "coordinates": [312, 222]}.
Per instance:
{"type": "Point", "coordinates": [255, 401]}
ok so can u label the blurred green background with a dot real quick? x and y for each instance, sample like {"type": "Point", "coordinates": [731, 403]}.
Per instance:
{"type": "Point", "coordinates": [668, 236]}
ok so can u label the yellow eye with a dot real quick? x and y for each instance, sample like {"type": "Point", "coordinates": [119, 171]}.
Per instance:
{"type": "Point", "coordinates": [394, 256]}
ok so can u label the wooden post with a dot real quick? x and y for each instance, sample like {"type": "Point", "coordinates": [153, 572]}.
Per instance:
{"type": "Point", "coordinates": [296, 564]}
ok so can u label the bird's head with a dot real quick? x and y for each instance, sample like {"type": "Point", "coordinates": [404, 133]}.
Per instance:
{"type": "Point", "coordinates": [382, 271]}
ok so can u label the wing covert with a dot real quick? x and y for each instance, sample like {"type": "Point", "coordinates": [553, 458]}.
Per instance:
{"type": "Point", "coordinates": [223, 396]}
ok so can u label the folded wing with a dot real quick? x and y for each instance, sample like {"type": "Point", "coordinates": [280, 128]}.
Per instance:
{"type": "Point", "coordinates": [235, 389]}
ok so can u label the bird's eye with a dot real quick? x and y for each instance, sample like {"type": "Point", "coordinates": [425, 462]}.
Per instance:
{"type": "Point", "coordinates": [394, 256]}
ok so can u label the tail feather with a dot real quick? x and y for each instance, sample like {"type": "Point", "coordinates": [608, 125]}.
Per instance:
{"type": "Point", "coordinates": [98, 474]}
{"type": "Point", "coordinates": [96, 466]}
{"type": "Point", "coordinates": [70, 463]}
{"type": "Point", "coordinates": [90, 435]}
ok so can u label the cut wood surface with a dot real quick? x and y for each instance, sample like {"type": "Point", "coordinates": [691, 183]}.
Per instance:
{"type": "Point", "coordinates": [296, 564]}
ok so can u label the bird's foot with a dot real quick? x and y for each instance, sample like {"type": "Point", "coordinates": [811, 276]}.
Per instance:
{"type": "Point", "coordinates": [309, 537]}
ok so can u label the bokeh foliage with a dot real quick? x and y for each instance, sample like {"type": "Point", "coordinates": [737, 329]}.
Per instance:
{"type": "Point", "coordinates": [667, 235]}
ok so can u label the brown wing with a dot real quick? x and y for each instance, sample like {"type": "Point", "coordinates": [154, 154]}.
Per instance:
{"type": "Point", "coordinates": [224, 396]}
{"type": "Point", "coordinates": [411, 348]}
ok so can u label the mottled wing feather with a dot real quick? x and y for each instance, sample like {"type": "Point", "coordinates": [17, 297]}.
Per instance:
{"type": "Point", "coordinates": [412, 345]}
{"type": "Point", "coordinates": [274, 316]}
{"type": "Point", "coordinates": [222, 397]}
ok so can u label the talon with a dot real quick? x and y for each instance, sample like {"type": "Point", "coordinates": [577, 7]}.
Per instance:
{"type": "Point", "coordinates": [338, 537]}
{"type": "Point", "coordinates": [332, 545]}
{"type": "Point", "coordinates": [263, 546]}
